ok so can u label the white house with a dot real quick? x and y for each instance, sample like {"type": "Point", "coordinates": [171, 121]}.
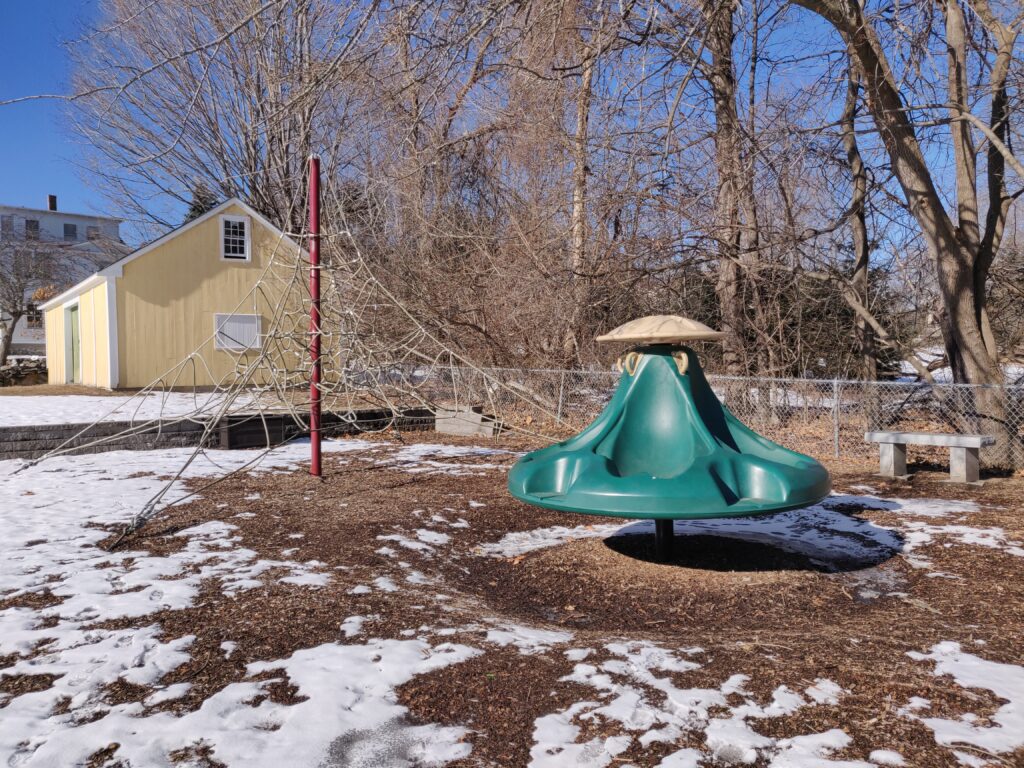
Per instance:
{"type": "Point", "coordinates": [82, 241]}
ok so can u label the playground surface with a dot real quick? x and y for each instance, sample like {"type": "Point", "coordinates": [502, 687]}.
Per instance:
{"type": "Point", "coordinates": [39, 405]}
{"type": "Point", "coordinates": [406, 611]}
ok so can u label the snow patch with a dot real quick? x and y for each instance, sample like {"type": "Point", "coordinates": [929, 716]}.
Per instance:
{"type": "Point", "coordinates": [637, 694]}
{"type": "Point", "coordinates": [528, 640]}
{"type": "Point", "coordinates": [170, 693]}
{"type": "Point", "coordinates": [578, 654]}
{"type": "Point", "coordinates": [825, 691]}
{"type": "Point", "coordinates": [432, 537]}
{"type": "Point", "coordinates": [350, 717]}
{"type": "Point", "coordinates": [555, 746]}
{"type": "Point", "coordinates": [403, 541]}
{"type": "Point", "coordinates": [85, 409]}
{"type": "Point", "coordinates": [423, 458]}
{"type": "Point", "coordinates": [1004, 680]}
{"type": "Point", "coordinates": [307, 579]}
{"type": "Point", "coordinates": [352, 626]}
{"type": "Point", "coordinates": [886, 757]}
{"type": "Point", "coordinates": [384, 584]}
{"type": "Point", "coordinates": [813, 750]}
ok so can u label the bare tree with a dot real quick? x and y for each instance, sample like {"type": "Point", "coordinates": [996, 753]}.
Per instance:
{"type": "Point", "coordinates": [214, 94]}
{"type": "Point", "coordinates": [521, 174]}
{"type": "Point", "coordinates": [858, 222]}
{"type": "Point", "coordinates": [729, 163]}
{"type": "Point", "coordinates": [962, 246]}
{"type": "Point", "coordinates": [25, 266]}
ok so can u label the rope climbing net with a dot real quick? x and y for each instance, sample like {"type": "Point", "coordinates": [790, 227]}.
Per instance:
{"type": "Point", "coordinates": [377, 353]}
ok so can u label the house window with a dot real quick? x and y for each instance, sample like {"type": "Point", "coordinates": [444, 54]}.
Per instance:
{"type": "Point", "coordinates": [236, 332]}
{"type": "Point", "coordinates": [234, 238]}
{"type": "Point", "coordinates": [92, 233]}
{"type": "Point", "coordinates": [71, 232]}
{"type": "Point", "coordinates": [7, 225]}
{"type": "Point", "coordinates": [31, 229]}
{"type": "Point", "coordinates": [33, 317]}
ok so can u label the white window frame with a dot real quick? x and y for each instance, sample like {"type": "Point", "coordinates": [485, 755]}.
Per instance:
{"type": "Point", "coordinates": [218, 322]}
{"type": "Point", "coordinates": [224, 219]}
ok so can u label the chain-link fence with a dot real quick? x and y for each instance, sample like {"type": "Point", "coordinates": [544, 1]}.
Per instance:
{"type": "Point", "coordinates": [822, 418]}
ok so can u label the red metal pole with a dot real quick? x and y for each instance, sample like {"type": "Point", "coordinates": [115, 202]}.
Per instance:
{"type": "Point", "coordinates": [314, 316]}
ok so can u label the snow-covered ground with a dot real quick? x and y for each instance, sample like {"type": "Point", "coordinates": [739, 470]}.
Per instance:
{"type": "Point", "coordinates": [819, 532]}
{"type": "Point", "coordinates": [50, 516]}
{"type": "Point", "coordinates": [31, 410]}
{"type": "Point", "coordinates": [1013, 372]}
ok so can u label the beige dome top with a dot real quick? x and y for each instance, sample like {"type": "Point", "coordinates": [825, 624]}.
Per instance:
{"type": "Point", "coordinates": [661, 329]}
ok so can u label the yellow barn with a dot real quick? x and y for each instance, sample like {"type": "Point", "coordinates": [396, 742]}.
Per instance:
{"type": "Point", "coordinates": [190, 294]}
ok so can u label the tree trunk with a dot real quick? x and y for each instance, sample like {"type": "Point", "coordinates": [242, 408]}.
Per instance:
{"type": "Point", "coordinates": [578, 216]}
{"type": "Point", "coordinates": [951, 247]}
{"type": "Point", "coordinates": [858, 225]}
{"type": "Point", "coordinates": [729, 288]}
{"type": "Point", "coordinates": [750, 228]}
{"type": "Point", "coordinates": [7, 338]}
{"type": "Point", "coordinates": [957, 250]}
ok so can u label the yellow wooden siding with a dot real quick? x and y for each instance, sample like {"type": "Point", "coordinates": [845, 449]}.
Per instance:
{"type": "Point", "coordinates": [93, 339]}
{"type": "Point", "coordinates": [99, 339]}
{"type": "Point", "coordinates": [87, 337]}
{"type": "Point", "coordinates": [167, 299]}
{"type": "Point", "coordinates": [54, 324]}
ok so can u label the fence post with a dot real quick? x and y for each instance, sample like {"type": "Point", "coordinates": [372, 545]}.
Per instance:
{"type": "Point", "coordinates": [835, 417]}
{"type": "Point", "coordinates": [561, 391]}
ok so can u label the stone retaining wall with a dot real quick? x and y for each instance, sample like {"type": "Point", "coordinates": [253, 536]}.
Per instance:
{"type": "Point", "coordinates": [237, 431]}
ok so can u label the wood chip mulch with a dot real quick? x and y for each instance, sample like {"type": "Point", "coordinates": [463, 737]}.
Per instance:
{"type": "Point", "coordinates": [752, 608]}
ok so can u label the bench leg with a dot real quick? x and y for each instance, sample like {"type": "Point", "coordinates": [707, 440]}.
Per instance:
{"type": "Point", "coordinates": [892, 459]}
{"type": "Point", "coordinates": [963, 465]}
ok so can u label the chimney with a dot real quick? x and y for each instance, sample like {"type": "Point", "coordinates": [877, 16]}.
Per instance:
{"type": "Point", "coordinates": [51, 202]}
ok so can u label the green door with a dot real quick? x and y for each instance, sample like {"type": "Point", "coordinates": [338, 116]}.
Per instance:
{"type": "Point", "coordinates": [75, 361]}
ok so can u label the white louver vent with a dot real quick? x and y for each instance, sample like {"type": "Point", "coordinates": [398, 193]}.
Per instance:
{"type": "Point", "coordinates": [236, 332]}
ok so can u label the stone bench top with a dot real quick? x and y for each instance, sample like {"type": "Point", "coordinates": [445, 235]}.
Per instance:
{"type": "Point", "coordinates": [930, 438]}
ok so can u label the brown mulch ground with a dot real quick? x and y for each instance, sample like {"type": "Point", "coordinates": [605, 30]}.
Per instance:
{"type": "Point", "coordinates": [754, 609]}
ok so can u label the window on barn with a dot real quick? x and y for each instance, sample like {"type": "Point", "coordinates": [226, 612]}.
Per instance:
{"type": "Point", "coordinates": [234, 238]}
{"type": "Point", "coordinates": [7, 225]}
{"type": "Point", "coordinates": [71, 232]}
{"type": "Point", "coordinates": [31, 229]}
{"type": "Point", "coordinates": [236, 332]}
{"type": "Point", "coordinates": [33, 317]}
{"type": "Point", "coordinates": [92, 233]}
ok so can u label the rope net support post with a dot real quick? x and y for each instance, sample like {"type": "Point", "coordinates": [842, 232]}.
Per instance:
{"type": "Point", "coordinates": [314, 317]}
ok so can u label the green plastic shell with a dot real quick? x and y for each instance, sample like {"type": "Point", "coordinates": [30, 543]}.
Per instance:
{"type": "Point", "coordinates": [665, 447]}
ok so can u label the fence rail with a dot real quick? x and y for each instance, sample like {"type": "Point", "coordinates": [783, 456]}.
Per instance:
{"type": "Point", "coordinates": [819, 417]}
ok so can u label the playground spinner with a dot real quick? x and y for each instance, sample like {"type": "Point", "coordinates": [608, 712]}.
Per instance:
{"type": "Point", "coordinates": [666, 448]}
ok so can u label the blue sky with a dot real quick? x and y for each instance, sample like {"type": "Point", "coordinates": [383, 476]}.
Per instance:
{"type": "Point", "coordinates": [37, 156]}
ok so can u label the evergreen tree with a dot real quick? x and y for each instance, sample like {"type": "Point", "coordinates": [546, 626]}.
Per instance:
{"type": "Point", "coordinates": [203, 200]}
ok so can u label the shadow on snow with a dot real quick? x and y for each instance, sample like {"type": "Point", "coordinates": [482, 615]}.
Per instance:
{"type": "Point", "coordinates": [828, 537]}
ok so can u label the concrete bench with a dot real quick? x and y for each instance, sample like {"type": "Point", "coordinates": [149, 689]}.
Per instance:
{"type": "Point", "coordinates": [465, 421]}
{"type": "Point", "coordinates": [963, 452]}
